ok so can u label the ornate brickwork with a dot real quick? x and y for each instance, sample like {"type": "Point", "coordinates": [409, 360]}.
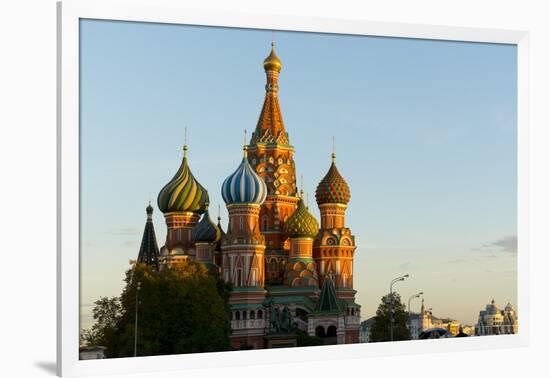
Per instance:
{"type": "Point", "coordinates": [287, 272]}
{"type": "Point", "coordinates": [334, 246]}
{"type": "Point", "coordinates": [272, 157]}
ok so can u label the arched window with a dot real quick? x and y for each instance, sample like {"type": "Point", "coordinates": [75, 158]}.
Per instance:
{"type": "Point", "coordinates": [252, 315]}
{"type": "Point", "coordinates": [320, 331]}
{"type": "Point", "coordinates": [260, 314]}
{"type": "Point", "coordinates": [244, 315]}
{"type": "Point", "coordinates": [237, 315]}
{"type": "Point", "coordinates": [331, 331]}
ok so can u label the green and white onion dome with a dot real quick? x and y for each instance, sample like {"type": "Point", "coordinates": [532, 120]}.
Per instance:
{"type": "Point", "coordinates": [301, 224]}
{"type": "Point", "coordinates": [244, 186]}
{"type": "Point", "coordinates": [183, 193]}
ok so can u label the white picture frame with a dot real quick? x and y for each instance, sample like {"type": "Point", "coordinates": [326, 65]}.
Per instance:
{"type": "Point", "coordinates": [69, 14]}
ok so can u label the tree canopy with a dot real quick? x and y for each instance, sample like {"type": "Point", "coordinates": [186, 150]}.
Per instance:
{"type": "Point", "coordinates": [183, 309]}
{"type": "Point", "coordinates": [380, 329]}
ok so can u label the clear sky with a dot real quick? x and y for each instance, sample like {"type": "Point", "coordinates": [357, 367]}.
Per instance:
{"type": "Point", "coordinates": [425, 137]}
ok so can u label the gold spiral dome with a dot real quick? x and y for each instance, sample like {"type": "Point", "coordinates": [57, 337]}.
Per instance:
{"type": "Point", "coordinates": [272, 62]}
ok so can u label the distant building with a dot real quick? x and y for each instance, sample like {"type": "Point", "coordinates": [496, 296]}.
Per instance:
{"type": "Point", "coordinates": [494, 321]}
{"type": "Point", "coordinates": [364, 330]}
{"type": "Point", "coordinates": [468, 329]}
{"type": "Point", "coordinates": [91, 352]}
{"type": "Point", "coordinates": [451, 325]}
{"type": "Point", "coordinates": [419, 322]}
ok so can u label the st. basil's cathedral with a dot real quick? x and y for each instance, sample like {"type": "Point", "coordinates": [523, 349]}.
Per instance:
{"type": "Point", "coordinates": [287, 271]}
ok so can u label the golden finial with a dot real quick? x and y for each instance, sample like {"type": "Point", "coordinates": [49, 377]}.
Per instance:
{"type": "Point", "coordinates": [302, 186]}
{"type": "Point", "coordinates": [307, 200]}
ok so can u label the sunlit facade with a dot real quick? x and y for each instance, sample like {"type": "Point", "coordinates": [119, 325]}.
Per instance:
{"type": "Point", "coordinates": [289, 271]}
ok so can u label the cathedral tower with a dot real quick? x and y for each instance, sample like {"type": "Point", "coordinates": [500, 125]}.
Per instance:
{"type": "Point", "coordinates": [243, 248]}
{"type": "Point", "coordinates": [335, 245]}
{"type": "Point", "coordinates": [301, 228]}
{"type": "Point", "coordinates": [182, 201]}
{"type": "Point", "coordinates": [334, 248]}
{"type": "Point", "coordinates": [271, 156]}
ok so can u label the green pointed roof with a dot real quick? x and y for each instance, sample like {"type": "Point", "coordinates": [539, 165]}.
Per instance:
{"type": "Point", "coordinates": [327, 300]}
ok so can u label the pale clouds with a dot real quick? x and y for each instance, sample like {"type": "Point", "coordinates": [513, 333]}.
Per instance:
{"type": "Point", "coordinates": [124, 231]}
{"type": "Point", "coordinates": [507, 244]}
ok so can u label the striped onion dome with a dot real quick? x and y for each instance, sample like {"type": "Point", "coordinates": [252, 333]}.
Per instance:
{"type": "Point", "coordinates": [183, 193]}
{"type": "Point", "coordinates": [301, 224]}
{"type": "Point", "coordinates": [206, 231]}
{"type": "Point", "coordinates": [244, 186]}
{"type": "Point", "coordinates": [333, 188]}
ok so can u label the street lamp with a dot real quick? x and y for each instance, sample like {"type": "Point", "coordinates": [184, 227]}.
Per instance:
{"type": "Point", "coordinates": [138, 288]}
{"type": "Point", "coordinates": [395, 280]}
{"type": "Point", "coordinates": [417, 295]}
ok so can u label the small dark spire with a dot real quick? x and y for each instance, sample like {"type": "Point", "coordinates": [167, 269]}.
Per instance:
{"type": "Point", "coordinates": [149, 250]}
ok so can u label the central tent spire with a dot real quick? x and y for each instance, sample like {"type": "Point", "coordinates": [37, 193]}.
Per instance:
{"type": "Point", "coordinates": [270, 128]}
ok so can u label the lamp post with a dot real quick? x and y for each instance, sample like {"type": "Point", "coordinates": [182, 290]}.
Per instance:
{"type": "Point", "coordinates": [138, 288]}
{"type": "Point", "coordinates": [395, 280]}
{"type": "Point", "coordinates": [417, 295]}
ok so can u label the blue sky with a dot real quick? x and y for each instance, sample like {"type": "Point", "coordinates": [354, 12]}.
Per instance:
{"type": "Point", "coordinates": [425, 136]}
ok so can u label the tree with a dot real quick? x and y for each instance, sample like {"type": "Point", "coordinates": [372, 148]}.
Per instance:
{"type": "Point", "coordinates": [107, 313]}
{"type": "Point", "coordinates": [380, 330]}
{"type": "Point", "coordinates": [183, 309]}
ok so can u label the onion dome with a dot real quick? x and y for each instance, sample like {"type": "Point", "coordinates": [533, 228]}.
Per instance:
{"type": "Point", "coordinates": [244, 186]}
{"type": "Point", "coordinates": [333, 188]}
{"type": "Point", "coordinates": [301, 224]}
{"type": "Point", "coordinates": [493, 309]}
{"type": "Point", "coordinates": [205, 231]}
{"type": "Point", "coordinates": [272, 62]}
{"type": "Point", "coordinates": [183, 193]}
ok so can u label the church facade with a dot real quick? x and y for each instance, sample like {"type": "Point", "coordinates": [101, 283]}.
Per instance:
{"type": "Point", "coordinates": [494, 321]}
{"type": "Point", "coordinates": [289, 272]}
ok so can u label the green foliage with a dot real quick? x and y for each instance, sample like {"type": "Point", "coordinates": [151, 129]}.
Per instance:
{"type": "Point", "coordinates": [181, 310]}
{"type": "Point", "coordinates": [304, 339]}
{"type": "Point", "coordinates": [380, 330]}
{"type": "Point", "coordinates": [107, 313]}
